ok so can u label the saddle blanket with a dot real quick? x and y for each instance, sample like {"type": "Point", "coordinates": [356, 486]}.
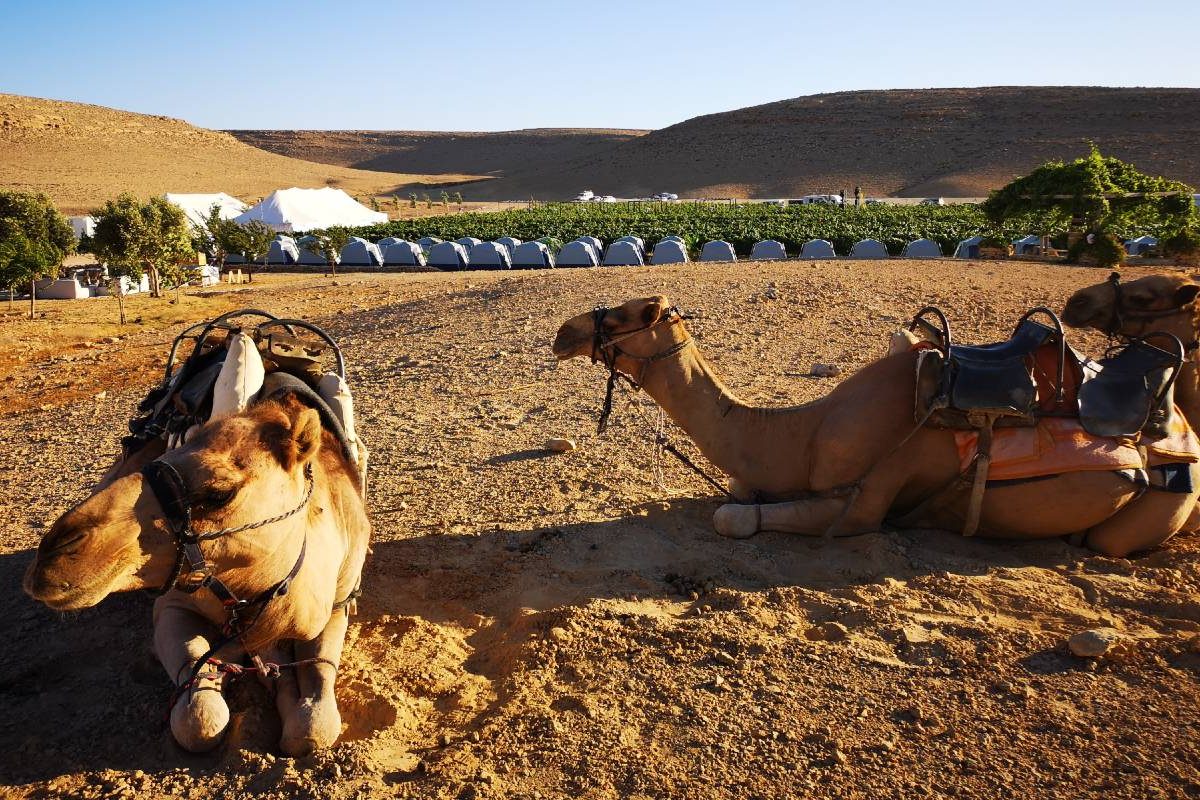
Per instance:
{"type": "Point", "coordinates": [1060, 444]}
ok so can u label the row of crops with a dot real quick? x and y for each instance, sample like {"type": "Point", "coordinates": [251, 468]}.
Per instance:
{"type": "Point", "coordinates": [741, 225]}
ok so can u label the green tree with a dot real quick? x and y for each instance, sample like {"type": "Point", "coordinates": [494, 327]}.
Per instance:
{"type": "Point", "coordinates": [328, 244]}
{"type": "Point", "coordinates": [445, 199]}
{"type": "Point", "coordinates": [458, 199]}
{"type": "Point", "coordinates": [152, 238]}
{"type": "Point", "coordinates": [412, 200]}
{"type": "Point", "coordinates": [34, 239]}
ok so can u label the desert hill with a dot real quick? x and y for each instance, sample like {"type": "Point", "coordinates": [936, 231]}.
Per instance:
{"type": "Point", "coordinates": [81, 155]}
{"type": "Point", "coordinates": [426, 152]}
{"type": "Point", "coordinates": [954, 142]}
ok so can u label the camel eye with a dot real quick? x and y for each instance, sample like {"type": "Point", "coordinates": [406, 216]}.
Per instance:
{"type": "Point", "coordinates": [215, 498]}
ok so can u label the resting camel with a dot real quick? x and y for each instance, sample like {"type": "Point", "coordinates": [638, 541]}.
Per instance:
{"type": "Point", "coordinates": [1163, 302]}
{"type": "Point", "coordinates": [274, 469]}
{"type": "Point", "coordinates": [846, 463]}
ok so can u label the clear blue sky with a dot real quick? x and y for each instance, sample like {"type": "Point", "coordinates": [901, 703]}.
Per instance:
{"type": "Point", "coordinates": [496, 65]}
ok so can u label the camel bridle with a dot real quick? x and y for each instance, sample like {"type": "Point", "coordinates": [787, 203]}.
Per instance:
{"type": "Point", "coordinates": [606, 350]}
{"type": "Point", "coordinates": [1120, 313]}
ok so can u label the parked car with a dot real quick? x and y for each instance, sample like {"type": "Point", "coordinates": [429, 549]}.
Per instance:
{"type": "Point", "coordinates": [816, 199]}
{"type": "Point", "coordinates": [933, 201]}
{"type": "Point", "coordinates": [584, 196]}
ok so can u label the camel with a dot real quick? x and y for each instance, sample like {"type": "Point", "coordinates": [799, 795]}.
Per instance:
{"type": "Point", "coordinates": [274, 469]}
{"type": "Point", "coordinates": [846, 463]}
{"type": "Point", "coordinates": [1163, 302]}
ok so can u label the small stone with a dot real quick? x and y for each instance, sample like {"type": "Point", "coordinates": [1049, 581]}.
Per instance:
{"type": "Point", "coordinates": [833, 631]}
{"type": "Point", "coordinates": [1093, 643]}
{"type": "Point", "coordinates": [560, 445]}
{"type": "Point", "coordinates": [825, 370]}
{"type": "Point", "coordinates": [721, 657]}
{"type": "Point", "coordinates": [101, 395]}
{"type": "Point", "coordinates": [839, 757]}
{"type": "Point", "coordinates": [559, 634]}
{"type": "Point", "coordinates": [914, 634]}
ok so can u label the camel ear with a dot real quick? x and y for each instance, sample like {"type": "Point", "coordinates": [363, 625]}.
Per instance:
{"type": "Point", "coordinates": [306, 437]}
{"type": "Point", "coordinates": [654, 310]}
{"type": "Point", "coordinates": [1186, 293]}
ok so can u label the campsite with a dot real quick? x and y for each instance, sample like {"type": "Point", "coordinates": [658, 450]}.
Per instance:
{"type": "Point", "coordinates": [664, 401]}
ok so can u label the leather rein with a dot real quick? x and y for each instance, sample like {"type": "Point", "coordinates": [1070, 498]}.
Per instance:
{"type": "Point", "coordinates": [1121, 314]}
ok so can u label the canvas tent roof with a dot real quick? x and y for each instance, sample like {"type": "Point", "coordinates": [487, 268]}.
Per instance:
{"type": "Point", "coordinates": [447, 255]}
{"type": "Point", "coordinates": [307, 256]}
{"type": "Point", "coordinates": [578, 254]}
{"type": "Point", "coordinates": [718, 250]}
{"type": "Point", "coordinates": [922, 248]}
{"type": "Point", "coordinates": [299, 210]}
{"type": "Point", "coordinates": [196, 206]}
{"type": "Point", "coordinates": [968, 248]}
{"type": "Point", "coordinates": [817, 248]}
{"type": "Point", "coordinates": [361, 253]}
{"type": "Point", "coordinates": [623, 253]}
{"type": "Point", "coordinates": [669, 251]}
{"type": "Point", "coordinates": [404, 254]}
{"type": "Point", "coordinates": [868, 248]}
{"type": "Point", "coordinates": [532, 254]}
{"type": "Point", "coordinates": [768, 250]}
{"type": "Point", "coordinates": [489, 255]}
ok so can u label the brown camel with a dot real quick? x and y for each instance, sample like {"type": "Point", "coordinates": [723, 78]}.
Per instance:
{"type": "Point", "coordinates": [845, 463]}
{"type": "Point", "coordinates": [250, 469]}
{"type": "Point", "coordinates": [1164, 302]}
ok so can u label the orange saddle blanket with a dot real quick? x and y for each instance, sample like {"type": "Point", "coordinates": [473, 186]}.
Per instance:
{"type": "Point", "coordinates": [1060, 444]}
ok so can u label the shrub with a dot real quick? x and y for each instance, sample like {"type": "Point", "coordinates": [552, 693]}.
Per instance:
{"type": "Point", "coordinates": [1183, 246]}
{"type": "Point", "coordinates": [1105, 251]}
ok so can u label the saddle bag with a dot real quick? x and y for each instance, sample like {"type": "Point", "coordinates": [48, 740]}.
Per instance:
{"type": "Point", "coordinates": [1133, 389]}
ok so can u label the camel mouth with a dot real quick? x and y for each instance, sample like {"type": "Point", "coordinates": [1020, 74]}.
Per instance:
{"type": "Point", "coordinates": [567, 343]}
{"type": "Point", "coordinates": [64, 595]}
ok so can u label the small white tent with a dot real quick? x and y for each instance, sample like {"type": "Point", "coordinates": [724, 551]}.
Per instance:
{"type": "Point", "coordinates": [718, 250]}
{"type": "Point", "coordinates": [509, 243]}
{"type": "Point", "coordinates": [298, 210]}
{"type": "Point", "coordinates": [768, 250]}
{"type": "Point", "coordinates": [578, 254]}
{"type": "Point", "coordinates": [817, 249]}
{"type": "Point", "coordinates": [669, 251]}
{"type": "Point", "coordinates": [468, 242]}
{"type": "Point", "coordinates": [1025, 244]}
{"type": "Point", "coordinates": [868, 248]}
{"type": "Point", "coordinates": [283, 252]}
{"type": "Point", "coordinates": [197, 206]}
{"type": "Point", "coordinates": [596, 244]}
{"type": "Point", "coordinates": [387, 240]}
{"type": "Point", "coordinates": [448, 255]}
{"type": "Point", "coordinates": [532, 255]}
{"type": "Point", "coordinates": [623, 253]}
{"type": "Point", "coordinates": [359, 252]}
{"type": "Point", "coordinates": [673, 238]}
{"type": "Point", "coordinates": [922, 248]}
{"type": "Point", "coordinates": [490, 255]}
{"type": "Point", "coordinates": [637, 240]}
{"type": "Point", "coordinates": [1138, 246]}
{"type": "Point", "coordinates": [403, 254]}
{"type": "Point", "coordinates": [83, 226]}
{"type": "Point", "coordinates": [968, 248]}
{"type": "Point", "coordinates": [427, 242]}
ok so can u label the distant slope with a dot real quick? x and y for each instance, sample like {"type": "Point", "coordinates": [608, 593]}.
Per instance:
{"type": "Point", "coordinates": [434, 152]}
{"type": "Point", "coordinates": [81, 155]}
{"type": "Point", "coordinates": [952, 142]}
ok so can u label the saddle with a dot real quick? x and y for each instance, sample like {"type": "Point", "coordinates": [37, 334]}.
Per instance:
{"type": "Point", "coordinates": [1036, 374]}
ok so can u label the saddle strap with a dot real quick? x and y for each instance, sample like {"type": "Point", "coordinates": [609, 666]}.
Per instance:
{"type": "Point", "coordinates": [983, 463]}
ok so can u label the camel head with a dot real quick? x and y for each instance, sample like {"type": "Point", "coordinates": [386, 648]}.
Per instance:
{"type": "Point", "coordinates": [237, 470]}
{"type": "Point", "coordinates": [1154, 303]}
{"type": "Point", "coordinates": [627, 336]}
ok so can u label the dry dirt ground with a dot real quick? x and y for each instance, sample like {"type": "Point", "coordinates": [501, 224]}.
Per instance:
{"type": "Point", "coordinates": [543, 626]}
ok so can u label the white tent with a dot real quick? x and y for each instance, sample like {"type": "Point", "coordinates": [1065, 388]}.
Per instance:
{"type": "Point", "coordinates": [196, 206]}
{"type": "Point", "coordinates": [298, 210]}
{"type": "Point", "coordinates": [1026, 244]}
{"type": "Point", "coordinates": [718, 250]}
{"type": "Point", "coordinates": [968, 248]}
{"type": "Point", "coordinates": [578, 254]}
{"type": "Point", "coordinates": [1138, 246]}
{"type": "Point", "coordinates": [448, 255]}
{"type": "Point", "coordinates": [468, 242]}
{"type": "Point", "coordinates": [490, 255]}
{"type": "Point", "coordinates": [922, 248]}
{"type": "Point", "coordinates": [868, 248]}
{"type": "Point", "coordinates": [83, 226]}
{"type": "Point", "coordinates": [532, 254]}
{"type": "Point", "coordinates": [669, 251]}
{"type": "Point", "coordinates": [403, 254]}
{"type": "Point", "coordinates": [768, 250]}
{"type": "Point", "coordinates": [359, 252]}
{"type": "Point", "coordinates": [673, 238]}
{"type": "Point", "coordinates": [596, 244]}
{"type": "Point", "coordinates": [387, 240]}
{"type": "Point", "coordinates": [817, 249]}
{"type": "Point", "coordinates": [623, 253]}
{"type": "Point", "coordinates": [637, 240]}
{"type": "Point", "coordinates": [308, 256]}
{"type": "Point", "coordinates": [283, 251]}
{"type": "Point", "coordinates": [427, 242]}
{"type": "Point", "coordinates": [509, 243]}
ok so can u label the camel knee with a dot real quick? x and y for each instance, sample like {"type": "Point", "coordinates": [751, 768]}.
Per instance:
{"type": "Point", "coordinates": [314, 724]}
{"type": "Point", "coordinates": [736, 521]}
{"type": "Point", "coordinates": [199, 719]}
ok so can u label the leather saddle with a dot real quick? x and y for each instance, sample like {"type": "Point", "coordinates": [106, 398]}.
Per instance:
{"type": "Point", "coordinates": [1132, 389]}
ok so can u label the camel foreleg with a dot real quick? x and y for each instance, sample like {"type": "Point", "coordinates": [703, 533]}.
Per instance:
{"type": "Point", "coordinates": [200, 715]}
{"type": "Point", "coordinates": [305, 696]}
{"type": "Point", "coordinates": [1146, 522]}
{"type": "Point", "coordinates": [840, 515]}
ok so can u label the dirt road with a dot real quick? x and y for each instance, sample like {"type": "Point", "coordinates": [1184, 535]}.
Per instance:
{"type": "Point", "coordinates": [542, 626]}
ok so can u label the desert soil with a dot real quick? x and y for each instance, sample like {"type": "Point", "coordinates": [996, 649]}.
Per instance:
{"type": "Point", "coordinates": [542, 625]}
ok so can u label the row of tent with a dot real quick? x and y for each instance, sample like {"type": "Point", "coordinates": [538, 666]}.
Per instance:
{"type": "Point", "coordinates": [587, 251]}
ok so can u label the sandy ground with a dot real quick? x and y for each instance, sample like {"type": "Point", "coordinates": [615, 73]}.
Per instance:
{"type": "Point", "coordinates": [544, 626]}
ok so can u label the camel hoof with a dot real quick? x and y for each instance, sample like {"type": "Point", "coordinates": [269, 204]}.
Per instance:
{"type": "Point", "coordinates": [199, 722]}
{"type": "Point", "coordinates": [735, 521]}
{"type": "Point", "coordinates": [312, 727]}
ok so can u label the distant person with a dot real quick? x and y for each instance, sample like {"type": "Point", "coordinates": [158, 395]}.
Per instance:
{"type": "Point", "coordinates": [842, 194]}
{"type": "Point", "coordinates": [858, 196]}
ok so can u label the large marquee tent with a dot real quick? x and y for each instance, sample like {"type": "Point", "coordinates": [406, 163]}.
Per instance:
{"type": "Point", "coordinates": [299, 210]}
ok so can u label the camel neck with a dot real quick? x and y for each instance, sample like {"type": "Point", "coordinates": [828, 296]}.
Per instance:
{"type": "Point", "coordinates": [741, 440]}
